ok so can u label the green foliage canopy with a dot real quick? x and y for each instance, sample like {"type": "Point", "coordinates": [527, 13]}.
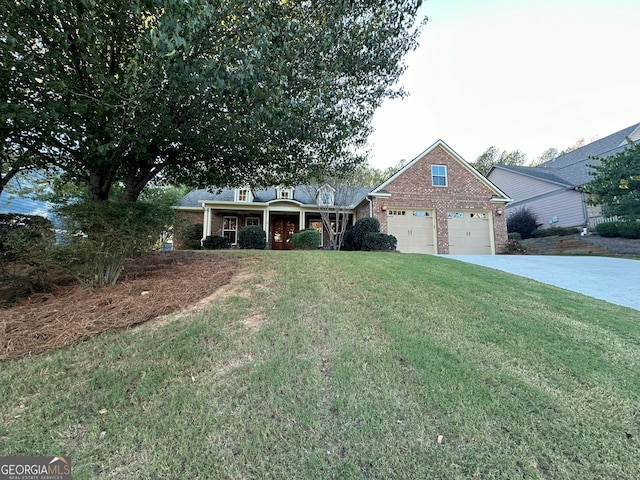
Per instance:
{"type": "Point", "coordinates": [616, 183]}
{"type": "Point", "coordinates": [494, 156]}
{"type": "Point", "coordinates": [198, 92]}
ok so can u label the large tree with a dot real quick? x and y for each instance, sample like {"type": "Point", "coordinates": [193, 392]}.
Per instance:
{"type": "Point", "coordinates": [616, 183]}
{"type": "Point", "coordinates": [494, 156]}
{"type": "Point", "coordinates": [199, 91]}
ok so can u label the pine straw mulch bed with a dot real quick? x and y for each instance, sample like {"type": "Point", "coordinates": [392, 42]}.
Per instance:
{"type": "Point", "coordinates": [151, 286]}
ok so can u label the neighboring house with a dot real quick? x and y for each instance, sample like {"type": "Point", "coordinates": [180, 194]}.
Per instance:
{"type": "Point", "coordinates": [553, 190]}
{"type": "Point", "coordinates": [437, 203]}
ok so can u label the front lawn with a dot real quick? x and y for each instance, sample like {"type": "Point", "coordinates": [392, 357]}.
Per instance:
{"type": "Point", "coordinates": [345, 365]}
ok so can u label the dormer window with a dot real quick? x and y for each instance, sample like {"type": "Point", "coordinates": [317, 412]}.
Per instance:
{"type": "Point", "coordinates": [284, 193]}
{"type": "Point", "coordinates": [244, 195]}
{"type": "Point", "coordinates": [325, 196]}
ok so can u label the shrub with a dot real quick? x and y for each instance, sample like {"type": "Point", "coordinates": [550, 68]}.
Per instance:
{"type": "Point", "coordinates": [514, 246]}
{"type": "Point", "coordinates": [27, 230]}
{"type": "Point", "coordinates": [629, 229]}
{"type": "Point", "coordinates": [252, 236]}
{"type": "Point", "coordinates": [188, 236]}
{"type": "Point", "coordinates": [307, 239]}
{"type": "Point", "coordinates": [608, 229]}
{"type": "Point", "coordinates": [361, 228]}
{"type": "Point", "coordinates": [347, 240]}
{"type": "Point", "coordinates": [553, 231]}
{"type": "Point", "coordinates": [101, 236]}
{"type": "Point", "coordinates": [522, 221]}
{"type": "Point", "coordinates": [25, 244]}
{"type": "Point", "coordinates": [514, 236]}
{"type": "Point", "coordinates": [377, 241]}
{"type": "Point", "coordinates": [216, 242]}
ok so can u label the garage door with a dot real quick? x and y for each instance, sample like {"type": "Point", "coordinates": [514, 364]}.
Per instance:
{"type": "Point", "coordinates": [469, 232]}
{"type": "Point", "coordinates": [414, 230]}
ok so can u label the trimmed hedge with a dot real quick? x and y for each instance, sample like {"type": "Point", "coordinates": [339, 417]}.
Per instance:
{"type": "Point", "coordinates": [307, 239]}
{"type": "Point", "coordinates": [216, 242]}
{"type": "Point", "coordinates": [555, 231]}
{"type": "Point", "coordinates": [252, 237]}
{"type": "Point", "coordinates": [629, 229]}
{"type": "Point", "coordinates": [608, 229]}
{"type": "Point", "coordinates": [380, 242]}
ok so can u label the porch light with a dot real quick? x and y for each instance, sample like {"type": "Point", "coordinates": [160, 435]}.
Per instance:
{"type": "Point", "coordinates": [384, 208]}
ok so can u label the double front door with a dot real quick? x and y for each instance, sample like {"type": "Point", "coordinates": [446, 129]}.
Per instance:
{"type": "Point", "coordinates": [282, 229]}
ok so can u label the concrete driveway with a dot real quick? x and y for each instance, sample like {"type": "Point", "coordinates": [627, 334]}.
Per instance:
{"type": "Point", "coordinates": [615, 280]}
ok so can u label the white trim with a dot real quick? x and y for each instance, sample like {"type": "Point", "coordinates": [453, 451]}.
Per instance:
{"type": "Point", "coordinates": [235, 230]}
{"type": "Point", "coordinates": [433, 176]}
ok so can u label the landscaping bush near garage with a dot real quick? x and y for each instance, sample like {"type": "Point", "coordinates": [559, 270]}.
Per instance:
{"type": "Point", "coordinates": [376, 241]}
{"type": "Point", "coordinates": [361, 228]}
{"type": "Point", "coordinates": [555, 231]}
{"type": "Point", "coordinates": [522, 221]}
{"type": "Point", "coordinates": [619, 229]}
{"type": "Point", "coordinates": [514, 246]}
{"type": "Point", "coordinates": [216, 242]}
{"type": "Point", "coordinates": [608, 229]}
{"type": "Point", "coordinates": [252, 237]}
{"type": "Point", "coordinates": [307, 239]}
{"type": "Point", "coordinates": [629, 229]}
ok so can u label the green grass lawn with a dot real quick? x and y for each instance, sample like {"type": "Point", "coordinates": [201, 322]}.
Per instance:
{"type": "Point", "coordinates": [345, 365]}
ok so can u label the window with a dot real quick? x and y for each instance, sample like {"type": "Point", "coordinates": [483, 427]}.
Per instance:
{"type": "Point", "coordinates": [325, 196]}
{"type": "Point", "coordinates": [244, 195]}
{"type": "Point", "coordinates": [317, 226]}
{"type": "Point", "coordinates": [439, 175]}
{"type": "Point", "coordinates": [284, 193]}
{"type": "Point", "coordinates": [252, 221]}
{"type": "Point", "coordinates": [230, 229]}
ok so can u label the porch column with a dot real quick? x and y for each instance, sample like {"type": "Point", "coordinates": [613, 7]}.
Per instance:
{"type": "Point", "coordinates": [301, 221]}
{"type": "Point", "coordinates": [266, 226]}
{"type": "Point", "coordinates": [206, 224]}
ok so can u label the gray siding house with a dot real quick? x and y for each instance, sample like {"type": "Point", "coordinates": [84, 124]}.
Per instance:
{"type": "Point", "coordinates": [553, 190]}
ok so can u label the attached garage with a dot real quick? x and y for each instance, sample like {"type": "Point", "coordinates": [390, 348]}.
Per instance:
{"type": "Point", "coordinates": [414, 229]}
{"type": "Point", "coordinates": [469, 232]}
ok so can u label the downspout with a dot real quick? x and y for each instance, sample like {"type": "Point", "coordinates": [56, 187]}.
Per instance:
{"type": "Point", "coordinates": [370, 206]}
{"type": "Point", "coordinates": [585, 213]}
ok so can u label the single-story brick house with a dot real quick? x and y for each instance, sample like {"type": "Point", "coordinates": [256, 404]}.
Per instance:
{"type": "Point", "coordinates": [554, 190]}
{"type": "Point", "coordinates": [437, 203]}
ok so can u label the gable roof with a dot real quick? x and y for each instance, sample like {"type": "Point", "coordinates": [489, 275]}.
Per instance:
{"type": "Point", "coordinates": [501, 196]}
{"type": "Point", "coordinates": [572, 169]}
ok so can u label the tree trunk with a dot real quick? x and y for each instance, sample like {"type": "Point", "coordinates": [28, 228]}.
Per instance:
{"type": "Point", "coordinates": [100, 183]}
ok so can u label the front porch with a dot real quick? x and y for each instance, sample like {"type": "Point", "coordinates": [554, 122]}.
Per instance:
{"type": "Point", "coordinates": [279, 220]}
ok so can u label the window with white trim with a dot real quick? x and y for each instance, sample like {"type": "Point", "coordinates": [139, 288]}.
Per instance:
{"type": "Point", "coordinates": [439, 175]}
{"type": "Point", "coordinates": [243, 195]}
{"type": "Point", "coordinates": [230, 229]}
{"type": "Point", "coordinates": [252, 221]}
{"type": "Point", "coordinates": [284, 193]}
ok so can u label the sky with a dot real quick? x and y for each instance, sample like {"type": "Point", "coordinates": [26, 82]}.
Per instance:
{"type": "Point", "coordinates": [514, 74]}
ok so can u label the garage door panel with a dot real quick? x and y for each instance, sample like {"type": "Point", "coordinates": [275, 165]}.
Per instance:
{"type": "Point", "coordinates": [469, 232]}
{"type": "Point", "coordinates": [414, 230]}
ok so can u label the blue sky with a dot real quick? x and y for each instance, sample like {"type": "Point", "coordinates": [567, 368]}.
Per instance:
{"type": "Point", "coordinates": [515, 74]}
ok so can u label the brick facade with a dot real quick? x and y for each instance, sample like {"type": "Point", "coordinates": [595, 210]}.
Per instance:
{"type": "Point", "coordinates": [412, 188]}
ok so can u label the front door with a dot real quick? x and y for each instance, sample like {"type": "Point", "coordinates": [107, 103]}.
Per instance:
{"type": "Point", "coordinates": [282, 229]}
